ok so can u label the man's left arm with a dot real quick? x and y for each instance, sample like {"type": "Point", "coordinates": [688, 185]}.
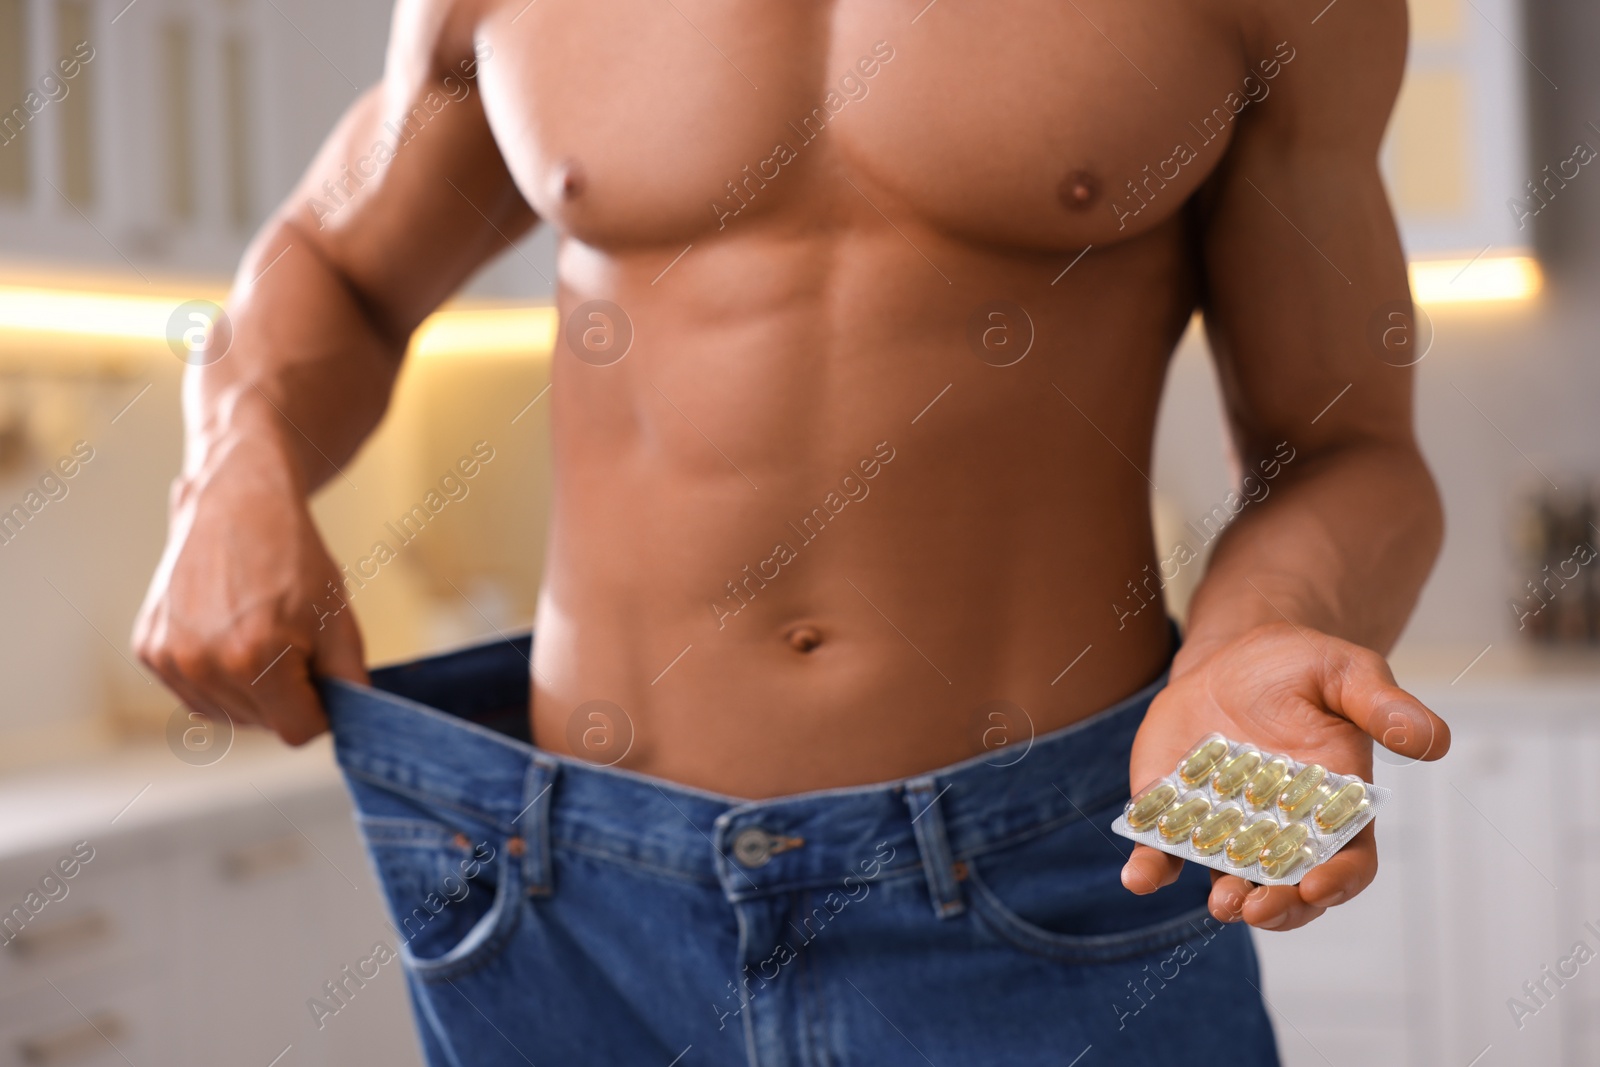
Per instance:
{"type": "Point", "coordinates": [1315, 578]}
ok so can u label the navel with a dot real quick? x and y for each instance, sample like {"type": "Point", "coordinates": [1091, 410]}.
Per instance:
{"type": "Point", "coordinates": [1078, 190]}
{"type": "Point", "coordinates": [803, 638]}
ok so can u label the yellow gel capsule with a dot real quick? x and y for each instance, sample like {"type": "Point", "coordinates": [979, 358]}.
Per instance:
{"type": "Point", "coordinates": [1144, 809]}
{"type": "Point", "coordinates": [1263, 787]}
{"type": "Point", "coordinates": [1339, 809]}
{"type": "Point", "coordinates": [1246, 845]}
{"type": "Point", "coordinates": [1232, 775]}
{"type": "Point", "coordinates": [1285, 851]}
{"type": "Point", "coordinates": [1180, 821]}
{"type": "Point", "coordinates": [1303, 791]}
{"type": "Point", "coordinates": [1201, 760]}
{"type": "Point", "coordinates": [1215, 829]}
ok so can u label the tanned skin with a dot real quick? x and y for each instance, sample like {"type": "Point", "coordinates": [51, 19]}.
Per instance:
{"type": "Point", "coordinates": [811, 331]}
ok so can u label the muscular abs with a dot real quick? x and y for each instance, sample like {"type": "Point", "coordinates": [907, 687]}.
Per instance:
{"type": "Point", "coordinates": [865, 326]}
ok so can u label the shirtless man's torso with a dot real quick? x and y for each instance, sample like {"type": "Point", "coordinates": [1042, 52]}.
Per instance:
{"type": "Point", "coordinates": [858, 436]}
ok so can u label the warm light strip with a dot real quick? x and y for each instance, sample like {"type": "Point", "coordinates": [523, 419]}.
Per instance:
{"type": "Point", "coordinates": [85, 314]}
{"type": "Point", "coordinates": [71, 313]}
{"type": "Point", "coordinates": [525, 331]}
{"type": "Point", "coordinates": [1464, 281]}
{"type": "Point", "coordinates": [505, 331]}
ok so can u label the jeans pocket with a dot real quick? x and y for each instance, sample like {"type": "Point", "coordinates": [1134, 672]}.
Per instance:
{"type": "Point", "coordinates": [453, 891]}
{"type": "Point", "coordinates": [1059, 894]}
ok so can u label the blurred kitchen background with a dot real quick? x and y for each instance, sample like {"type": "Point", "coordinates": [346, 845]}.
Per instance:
{"type": "Point", "coordinates": [226, 888]}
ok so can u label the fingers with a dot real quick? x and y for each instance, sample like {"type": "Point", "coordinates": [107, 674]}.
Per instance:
{"type": "Point", "coordinates": [1361, 688]}
{"type": "Point", "coordinates": [196, 700]}
{"type": "Point", "coordinates": [296, 713]}
{"type": "Point", "coordinates": [1345, 873]}
{"type": "Point", "coordinates": [263, 680]}
{"type": "Point", "coordinates": [1228, 893]}
{"type": "Point", "coordinates": [1149, 869]}
{"type": "Point", "coordinates": [1283, 907]}
{"type": "Point", "coordinates": [280, 691]}
{"type": "Point", "coordinates": [1287, 907]}
{"type": "Point", "coordinates": [184, 671]}
{"type": "Point", "coordinates": [1278, 907]}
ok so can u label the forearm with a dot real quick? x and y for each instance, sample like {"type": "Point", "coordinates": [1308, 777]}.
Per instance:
{"type": "Point", "coordinates": [325, 301]}
{"type": "Point", "coordinates": [408, 196]}
{"type": "Point", "coordinates": [1341, 545]}
{"type": "Point", "coordinates": [307, 374]}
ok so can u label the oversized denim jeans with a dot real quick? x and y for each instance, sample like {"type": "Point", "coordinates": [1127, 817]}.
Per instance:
{"type": "Point", "coordinates": [548, 911]}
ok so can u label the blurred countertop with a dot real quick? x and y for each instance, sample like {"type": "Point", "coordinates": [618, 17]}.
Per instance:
{"type": "Point", "coordinates": [142, 792]}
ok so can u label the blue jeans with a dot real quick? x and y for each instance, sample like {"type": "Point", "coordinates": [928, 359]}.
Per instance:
{"type": "Point", "coordinates": [553, 912]}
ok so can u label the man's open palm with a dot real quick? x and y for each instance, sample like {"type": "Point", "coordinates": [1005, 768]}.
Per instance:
{"type": "Point", "coordinates": [1296, 691]}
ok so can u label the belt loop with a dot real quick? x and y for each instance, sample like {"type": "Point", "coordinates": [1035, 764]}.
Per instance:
{"type": "Point", "coordinates": [927, 822]}
{"type": "Point", "coordinates": [532, 826]}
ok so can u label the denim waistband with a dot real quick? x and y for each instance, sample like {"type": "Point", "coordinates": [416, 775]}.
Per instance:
{"type": "Point", "coordinates": [452, 731]}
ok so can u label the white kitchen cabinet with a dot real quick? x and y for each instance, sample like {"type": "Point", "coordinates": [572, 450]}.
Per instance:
{"type": "Point", "coordinates": [216, 904]}
{"type": "Point", "coordinates": [1488, 873]}
{"type": "Point", "coordinates": [93, 1019]}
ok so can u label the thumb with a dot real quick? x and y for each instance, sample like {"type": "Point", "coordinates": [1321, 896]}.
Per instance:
{"type": "Point", "coordinates": [337, 650]}
{"type": "Point", "coordinates": [1358, 685]}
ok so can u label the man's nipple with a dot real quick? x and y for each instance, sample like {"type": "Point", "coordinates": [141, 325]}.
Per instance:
{"type": "Point", "coordinates": [567, 180]}
{"type": "Point", "coordinates": [1078, 190]}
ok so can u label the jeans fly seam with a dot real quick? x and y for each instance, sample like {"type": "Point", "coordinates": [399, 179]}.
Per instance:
{"type": "Point", "coordinates": [818, 1031]}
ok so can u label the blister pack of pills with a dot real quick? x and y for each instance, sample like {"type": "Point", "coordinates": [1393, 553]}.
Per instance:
{"type": "Point", "coordinates": [1238, 809]}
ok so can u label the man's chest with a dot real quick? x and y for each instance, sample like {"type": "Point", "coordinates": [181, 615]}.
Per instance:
{"type": "Point", "coordinates": [1046, 124]}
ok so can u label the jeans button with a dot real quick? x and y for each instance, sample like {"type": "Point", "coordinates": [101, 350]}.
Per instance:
{"type": "Point", "coordinates": [752, 846]}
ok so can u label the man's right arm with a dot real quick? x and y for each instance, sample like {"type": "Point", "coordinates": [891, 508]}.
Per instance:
{"type": "Point", "coordinates": [406, 198]}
